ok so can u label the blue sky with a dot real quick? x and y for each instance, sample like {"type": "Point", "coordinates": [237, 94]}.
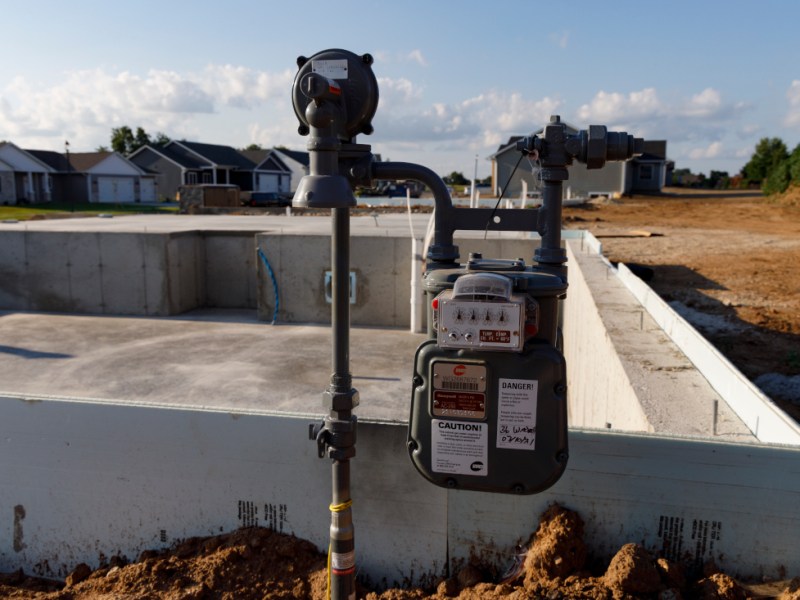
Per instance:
{"type": "Point", "coordinates": [456, 78]}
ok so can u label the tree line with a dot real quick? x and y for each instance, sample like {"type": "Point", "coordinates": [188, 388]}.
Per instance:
{"type": "Point", "coordinates": [773, 168]}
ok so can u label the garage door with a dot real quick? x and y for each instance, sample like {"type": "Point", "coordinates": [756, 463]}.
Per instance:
{"type": "Point", "coordinates": [267, 183]}
{"type": "Point", "coordinates": [148, 190]}
{"type": "Point", "coordinates": [115, 189]}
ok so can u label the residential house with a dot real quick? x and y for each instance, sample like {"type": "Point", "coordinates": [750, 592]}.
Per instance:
{"type": "Point", "coordinates": [178, 163]}
{"type": "Point", "coordinates": [297, 162]}
{"type": "Point", "coordinates": [97, 177]}
{"type": "Point", "coordinates": [23, 177]}
{"type": "Point", "coordinates": [645, 173]}
{"type": "Point", "coordinates": [270, 173]}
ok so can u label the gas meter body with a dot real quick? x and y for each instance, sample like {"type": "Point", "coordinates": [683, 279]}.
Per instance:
{"type": "Point", "coordinates": [488, 409]}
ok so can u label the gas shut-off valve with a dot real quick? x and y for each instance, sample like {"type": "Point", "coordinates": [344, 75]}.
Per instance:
{"type": "Point", "coordinates": [489, 403]}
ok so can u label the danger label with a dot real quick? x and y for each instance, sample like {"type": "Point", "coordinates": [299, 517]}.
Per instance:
{"type": "Point", "coordinates": [516, 413]}
{"type": "Point", "coordinates": [459, 448]}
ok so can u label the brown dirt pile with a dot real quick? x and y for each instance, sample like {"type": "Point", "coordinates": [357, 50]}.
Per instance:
{"type": "Point", "coordinates": [257, 563]}
{"type": "Point", "coordinates": [790, 197]}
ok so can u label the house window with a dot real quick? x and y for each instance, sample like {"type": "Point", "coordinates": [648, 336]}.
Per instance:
{"type": "Point", "coordinates": [207, 177]}
{"type": "Point", "coordinates": [646, 172]}
{"type": "Point", "coordinates": [191, 178]}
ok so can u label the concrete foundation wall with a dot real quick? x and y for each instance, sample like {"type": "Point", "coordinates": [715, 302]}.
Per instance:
{"type": "Point", "coordinates": [158, 274]}
{"type": "Point", "coordinates": [600, 393]}
{"type": "Point", "coordinates": [163, 274]}
{"type": "Point", "coordinates": [382, 266]}
{"type": "Point", "coordinates": [229, 270]}
{"type": "Point", "coordinates": [128, 478]}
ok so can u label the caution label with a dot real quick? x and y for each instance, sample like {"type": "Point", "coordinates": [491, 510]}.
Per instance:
{"type": "Point", "coordinates": [460, 448]}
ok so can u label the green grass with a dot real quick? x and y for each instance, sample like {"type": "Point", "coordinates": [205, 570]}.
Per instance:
{"type": "Point", "coordinates": [62, 210]}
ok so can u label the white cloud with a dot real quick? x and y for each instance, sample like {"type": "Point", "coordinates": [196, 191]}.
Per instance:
{"type": "Point", "coordinates": [85, 105]}
{"type": "Point", "coordinates": [480, 122]}
{"type": "Point", "coordinates": [613, 108]}
{"type": "Point", "coordinates": [705, 104]}
{"type": "Point", "coordinates": [713, 150]}
{"type": "Point", "coordinates": [703, 117]}
{"type": "Point", "coordinates": [242, 87]}
{"type": "Point", "coordinates": [417, 57]}
{"type": "Point", "coordinates": [793, 96]}
{"type": "Point", "coordinates": [397, 92]}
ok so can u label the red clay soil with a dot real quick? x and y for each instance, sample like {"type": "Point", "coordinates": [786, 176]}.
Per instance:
{"type": "Point", "coordinates": [259, 564]}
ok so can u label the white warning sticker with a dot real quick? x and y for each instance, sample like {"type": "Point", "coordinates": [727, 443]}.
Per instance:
{"type": "Point", "coordinates": [516, 413]}
{"type": "Point", "coordinates": [460, 448]}
{"type": "Point", "coordinates": [332, 69]}
{"type": "Point", "coordinates": [341, 561]}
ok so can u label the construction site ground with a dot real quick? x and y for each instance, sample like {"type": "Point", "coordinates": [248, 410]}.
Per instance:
{"type": "Point", "coordinates": [728, 261]}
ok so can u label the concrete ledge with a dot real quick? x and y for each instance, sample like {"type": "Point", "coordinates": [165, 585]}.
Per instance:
{"type": "Point", "coordinates": [624, 372]}
{"type": "Point", "coordinates": [768, 422]}
{"type": "Point", "coordinates": [129, 478]}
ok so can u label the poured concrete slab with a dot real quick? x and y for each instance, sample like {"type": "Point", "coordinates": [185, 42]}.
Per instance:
{"type": "Point", "coordinates": [222, 360]}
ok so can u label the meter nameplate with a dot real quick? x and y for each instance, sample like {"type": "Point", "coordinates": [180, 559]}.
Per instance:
{"type": "Point", "coordinates": [332, 69]}
{"type": "Point", "coordinates": [459, 390]}
{"type": "Point", "coordinates": [460, 448]}
{"type": "Point", "coordinates": [516, 413]}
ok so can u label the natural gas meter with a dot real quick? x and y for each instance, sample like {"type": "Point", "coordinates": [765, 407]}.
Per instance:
{"type": "Point", "coordinates": [488, 409]}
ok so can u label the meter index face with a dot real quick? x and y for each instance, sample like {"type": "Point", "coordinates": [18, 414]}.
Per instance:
{"type": "Point", "coordinates": [481, 325]}
{"type": "Point", "coordinates": [458, 390]}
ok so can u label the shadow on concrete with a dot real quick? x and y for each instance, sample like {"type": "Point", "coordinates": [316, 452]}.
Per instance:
{"type": "Point", "coordinates": [32, 354]}
{"type": "Point", "coordinates": [754, 349]}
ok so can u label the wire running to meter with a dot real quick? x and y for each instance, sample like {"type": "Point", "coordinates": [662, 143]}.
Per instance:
{"type": "Point", "coordinates": [502, 192]}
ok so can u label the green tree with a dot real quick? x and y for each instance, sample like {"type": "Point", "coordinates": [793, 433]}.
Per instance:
{"type": "Point", "coordinates": [161, 139]}
{"type": "Point", "coordinates": [456, 178]}
{"type": "Point", "coordinates": [777, 180]}
{"type": "Point", "coordinates": [794, 165]}
{"type": "Point", "coordinates": [251, 147]}
{"type": "Point", "coordinates": [718, 180]}
{"type": "Point", "coordinates": [140, 139]}
{"type": "Point", "coordinates": [124, 141]}
{"type": "Point", "coordinates": [769, 153]}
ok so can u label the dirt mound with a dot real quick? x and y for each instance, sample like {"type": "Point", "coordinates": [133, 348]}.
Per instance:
{"type": "Point", "coordinates": [791, 197]}
{"type": "Point", "coordinates": [257, 563]}
{"type": "Point", "coordinates": [252, 563]}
